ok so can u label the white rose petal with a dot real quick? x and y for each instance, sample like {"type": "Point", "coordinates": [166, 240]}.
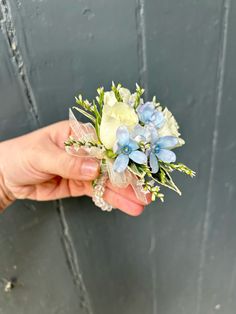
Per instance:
{"type": "Point", "coordinates": [125, 94]}
{"type": "Point", "coordinates": [170, 127]}
{"type": "Point", "coordinates": [109, 98]}
{"type": "Point", "coordinates": [132, 99]}
{"type": "Point", "coordinates": [113, 117]}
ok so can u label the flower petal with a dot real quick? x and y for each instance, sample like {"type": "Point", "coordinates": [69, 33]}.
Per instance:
{"type": "Point", "coordinates": [154, 134]}
{"type": "Point", "coordinates": [116, 148]}
{"type": "Point", "coordinates": [145, 111]}
{"type": "Point", "coordinates": [166, 155]}
{"type": "Point", "coordinates": [138, 157]}
{"type": "Point", "coordinates": [159, 118]}
{"type": "Point", "coordinates": [122, 135]}
{"type": "Point", "coordinates": [167, 141]}
{"type": "Point", "coordinates": [121, 163]}
{"type": "Point", "coordinates": [141, 133]}
{"type": "Point", "coordinates": [133, 144]}
{"type": "Point", "coordinates": [154, 163]}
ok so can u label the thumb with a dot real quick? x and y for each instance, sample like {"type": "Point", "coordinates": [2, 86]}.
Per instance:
{"type": "Point", "coordinates": [58, 162]}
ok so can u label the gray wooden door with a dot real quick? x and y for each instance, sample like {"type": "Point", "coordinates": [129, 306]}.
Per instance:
{"type": "Point", "coordinates": [176, 258]}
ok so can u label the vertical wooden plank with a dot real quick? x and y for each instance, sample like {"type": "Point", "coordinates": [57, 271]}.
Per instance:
{"type": "Point", "coordinates": [176, 257]}
{"type": "Point", "coordinates": [32, 254]}
{"type": "Point", "coordinates": [30, 232]}
{"type": "Point", "coordinates": [112, 251]}
{"type": "Point", "coordinates": [182, 50]}
{"type": "Point", "coordinates": [18, 110]}
{"type": "Point", "coordinates": [218, 286]}
{"type": "Point", "coordinates": [75, 47]}
{"type": "Point", "coordinates": [15, 117]}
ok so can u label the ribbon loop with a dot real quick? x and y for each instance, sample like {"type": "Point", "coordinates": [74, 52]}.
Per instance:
{"type": "Point", "coordinates": [85, 132]}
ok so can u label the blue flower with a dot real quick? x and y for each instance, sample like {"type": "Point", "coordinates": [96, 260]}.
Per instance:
{"type": "Point", "coordinates": [160, 149]}
{"type": "Point", "coordinates": [126, 148]}
{"type": "Point", "coordinates": [148, 114]}
{"type": "Point", "coordinates": [141, 133]}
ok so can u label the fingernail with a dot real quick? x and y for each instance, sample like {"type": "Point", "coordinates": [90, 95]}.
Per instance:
{"type": "Point", "coordinates": [89, 168]}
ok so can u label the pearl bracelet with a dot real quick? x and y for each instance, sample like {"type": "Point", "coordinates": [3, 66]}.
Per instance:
{"type": "Point", "coordinates": [98, 191]}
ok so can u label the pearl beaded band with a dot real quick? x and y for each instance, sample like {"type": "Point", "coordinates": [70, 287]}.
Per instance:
{"type": "Point", "coordinates": [98, 191]}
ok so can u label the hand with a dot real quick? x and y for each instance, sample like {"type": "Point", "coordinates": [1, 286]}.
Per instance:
{"type": "Point", "coordinates": [35, 166]}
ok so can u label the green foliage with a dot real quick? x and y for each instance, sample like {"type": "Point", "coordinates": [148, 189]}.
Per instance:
{"type": "Point", "coordinates": [115, 89]}
{"type": "Point", "coordinates": [151, 182]}
{"type": "Point", "coordinates": [100, 98]}
{"type": "Point", "coordinates": [163, 177]}
{"type": "Point", "coordinates": [139, 93]}
{"type": "Point", "coordinates": [77, 144]}
{"type": "Point", "coordinates": [137, 170]}
{"type": "Point", "coordinates": [148, 181]}
{"type": "Point", "coordinates": [150, 187]}
{"type": "Point", "coordinates": [110, 154]}
{"type": "Point", "coordinates": [179, 167]}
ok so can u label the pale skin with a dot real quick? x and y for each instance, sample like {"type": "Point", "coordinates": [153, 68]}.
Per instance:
{"type": "Point", "coordinates": [37, 167]}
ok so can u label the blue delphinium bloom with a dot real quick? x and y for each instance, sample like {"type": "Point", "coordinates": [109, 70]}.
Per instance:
{"type": "Point", "coordinates": [150, 115]}
{"type": "Point", "coordinates": [160, 149]}
{"type": "Point", "coordinates": [126, 148]}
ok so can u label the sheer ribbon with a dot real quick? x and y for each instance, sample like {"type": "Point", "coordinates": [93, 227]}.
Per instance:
{"type": "Point", "coordinates": [85, 132]}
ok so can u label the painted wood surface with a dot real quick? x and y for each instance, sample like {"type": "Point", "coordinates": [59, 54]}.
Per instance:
{"type": "Point", "coordinates": [176, 258]}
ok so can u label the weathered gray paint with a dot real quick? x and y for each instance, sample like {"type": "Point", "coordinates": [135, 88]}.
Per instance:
{"type": "Point", "coordinates": [178, 257]}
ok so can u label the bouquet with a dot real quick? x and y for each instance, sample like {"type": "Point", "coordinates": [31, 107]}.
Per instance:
{"type": "Point", "coordinates": [133, 139]}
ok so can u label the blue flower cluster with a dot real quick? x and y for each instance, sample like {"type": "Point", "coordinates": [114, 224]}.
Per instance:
{"type": "Point", "coordinates": [127, 145]}
{"type": "Point", "coordinates": [127, 149]}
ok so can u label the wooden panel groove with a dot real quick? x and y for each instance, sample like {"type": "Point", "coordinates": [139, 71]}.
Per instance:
{"type": "Point", "coordinates": [9, 30]}
{"type": "Point", "coordinates": [141, 44]}
{"type": "Point", "coordinates": [219, 94]}
{"type": "Point", "coordinates": [72, 259]}
{"type": "Point", "coordinates": [178, 257]}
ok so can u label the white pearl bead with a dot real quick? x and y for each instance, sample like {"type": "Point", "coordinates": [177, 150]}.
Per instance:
{"type": "Point", "coordinates": [98, 192]}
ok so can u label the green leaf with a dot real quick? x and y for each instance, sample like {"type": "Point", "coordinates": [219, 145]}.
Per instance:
{"type": "Point", "coordinates": [163, 177]}
{"type": "Point", "coordinates": [137, 170]}
{"type": "Point", "coordinates": [86, 114]}
{"type": "Point", "coordinates": [110, 154]}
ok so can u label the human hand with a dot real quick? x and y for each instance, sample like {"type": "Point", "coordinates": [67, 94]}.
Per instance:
{"type": "Point", "coordinates": [36, 166]}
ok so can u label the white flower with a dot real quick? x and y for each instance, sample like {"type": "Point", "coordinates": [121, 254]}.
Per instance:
{"type": "Point", "coordinates": [170, 127]}
{"type": "Point", "coordinates": [119, 114]}
{"type": "Point", "coordinates": [132, 99]}
{"type": "Point", "coordinates": [125, 94]}
{"type": "Point", "coordinates": [109, 99]}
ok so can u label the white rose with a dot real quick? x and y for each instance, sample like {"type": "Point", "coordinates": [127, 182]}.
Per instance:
{"type": "Point", "coordinates": [109, 99]}
{"type": "Point", "coordinates": [125, 94]}
{"type": "Point", "coordinates": [170, 127]}
{"type": "Point", "coordinates": [120, 114]}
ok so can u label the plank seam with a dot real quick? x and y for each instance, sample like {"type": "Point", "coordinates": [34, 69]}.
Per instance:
{"type": "Point", "coordinates": [72, 259]}
{"type": "Point", "coordinates": [9, 30]}
{"type": "Point", "coordinates": [219, 94]}
{"type": "Point", "coordinates": [141, 44]}
{"type": "Point", "coordinates": [143, 80]}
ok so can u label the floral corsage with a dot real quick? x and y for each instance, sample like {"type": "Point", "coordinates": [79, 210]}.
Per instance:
{"type": "Point", "coordinates": [133, 139]}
